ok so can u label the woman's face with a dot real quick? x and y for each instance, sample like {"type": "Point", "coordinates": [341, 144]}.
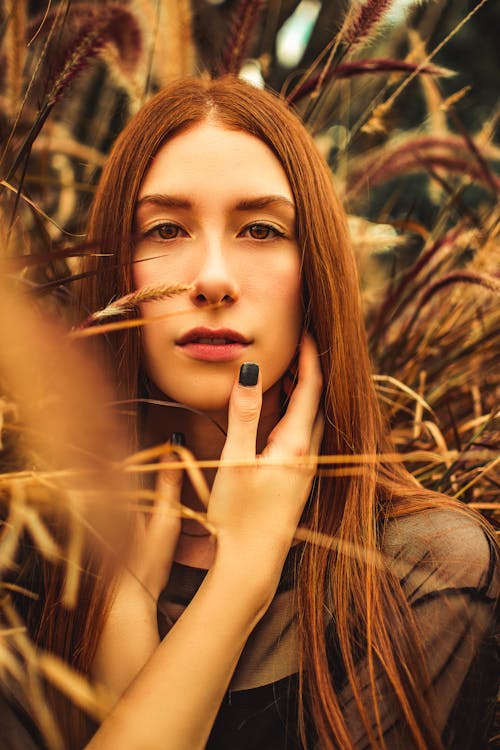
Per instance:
{"type": "Point", "coordinates": [216, 211]}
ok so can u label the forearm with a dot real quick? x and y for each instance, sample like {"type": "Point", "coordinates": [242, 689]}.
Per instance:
{"type": "Point", "coordinates": [130, 637]}
{"type": "Point", "coordinates": [174, 700]}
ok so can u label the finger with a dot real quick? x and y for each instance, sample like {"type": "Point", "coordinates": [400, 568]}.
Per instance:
{"type": "Point", "coordinates": [244, 412]}
{"type": "Point", "coordinates": [292, 434]}
{"type": "Point", "coordinates": [169, 481]}
{"type": "Point", "coordinates": [317, 433]}
{"type": "Point", "coordinates": [289, 379]}
{"type": "Point", "coordinates": [164, 524]}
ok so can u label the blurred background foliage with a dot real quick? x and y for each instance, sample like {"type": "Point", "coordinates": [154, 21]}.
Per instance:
{"type": "Point", "coordinates": [402, 99]}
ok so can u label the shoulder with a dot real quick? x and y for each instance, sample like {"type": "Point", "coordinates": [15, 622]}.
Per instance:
{"type": "Point", "coordinates": [442, 549]}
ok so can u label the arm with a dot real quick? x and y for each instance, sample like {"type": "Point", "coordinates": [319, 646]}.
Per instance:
{"type": "Point", "coordinates": [174, 699]}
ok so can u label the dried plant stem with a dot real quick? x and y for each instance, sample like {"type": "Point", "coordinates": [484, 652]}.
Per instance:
{"type": "Point", "coordinates": [406, 389]}
{"type": "Point", "coordinates": [95, 700]}
{"type": "Point", "coordinates": [16, 51]}
{"type": "Point", "coordinates": [395, 295]}
{"type": "Point", "coordinates": [482, 473]}
{"type": "Point", "coordinates": [364, 22]}
{"type": "Point", "coordinates": [418, 456]}
{"type": "Point", "coordinates": [177, 61]}
{"type": "Point", "coordinates": [40, 60]}
{"type": "Point", "coordinates": [130, 302]}
{"type": "Point", "coordinates": [313, 85]}
{"type": "Point", "coordinates": [243, 23]}
{"type": "Point", "coordinates": [82, 333]}
{"type": "Point", "coordinates": [389, 102]}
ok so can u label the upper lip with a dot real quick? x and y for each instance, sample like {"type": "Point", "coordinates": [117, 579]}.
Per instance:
{"type": "Point", "coordinates": [225, 334]}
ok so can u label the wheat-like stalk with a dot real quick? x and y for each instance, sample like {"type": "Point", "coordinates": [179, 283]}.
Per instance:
{"type": "Point", "coordinates": [15, 11]}
{"type": "Point", "coordinates": [130, 302]}
{"type": "Point", "coordinates": [363, 67]}
{"type": "Point", "coordinates": [364, 22]}
{"type": "Point", "coordinates": [242, 27]}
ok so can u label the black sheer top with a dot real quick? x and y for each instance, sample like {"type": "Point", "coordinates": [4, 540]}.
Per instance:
{"type": "Point", "coordinates": [449, 571]}
{"type": "Point", "coordinates": [450, 574]}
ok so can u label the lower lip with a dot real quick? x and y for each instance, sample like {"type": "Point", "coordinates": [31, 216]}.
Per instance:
{"type": "Point", "coordinates": [214, 352]}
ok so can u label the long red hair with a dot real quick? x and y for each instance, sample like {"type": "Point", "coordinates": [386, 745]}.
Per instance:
{"type": "Point", "coordinates": [347, 578]}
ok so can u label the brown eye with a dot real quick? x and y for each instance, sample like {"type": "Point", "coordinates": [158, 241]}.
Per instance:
{"type": "Point", "coordinates": [166, 231]}
{"type": "Point", "coordinates": [262, 231]}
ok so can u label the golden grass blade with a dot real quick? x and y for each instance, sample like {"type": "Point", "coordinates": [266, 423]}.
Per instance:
{"type": "Point", "coordinates": [128, 303]}
{"type": "Point", "coordinates": [15, 11]}
{"type": "Point", "coordinates": [31, 682]}
{"type": "Point", "coordinates": [406, 389]}
{"type": "Point", "coordinates": [438, 436]}
{"type": "Point", "coordinates": [73, 564]}
{"type": "Point", "coordinates": [9, 538]}
{"type": "Point", "coordinates": [38, 530]}
{"type": "Point", "coordinates": [82, 333]}
{"type": "Point", "coordinates": [36, 208]}
{"type": "Point", "coordinates": [187, 460]}
{"type": "Point", "coordinates": [416, 456]}
{"type": "Point", "coordinates": [9, 664]}
{"type": "Point", "coordinates": [386, 106]}
{"type": "Point", "coordinates": [481, 473]}
{"type": "Point", "coordinates": [95, 700]}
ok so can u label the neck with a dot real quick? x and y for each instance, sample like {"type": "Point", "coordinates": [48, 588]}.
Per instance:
{"type": "Point", "coordinates": [205, 440]}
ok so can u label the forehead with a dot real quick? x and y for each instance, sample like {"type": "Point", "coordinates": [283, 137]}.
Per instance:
{"type": "Point", "coordinates": [209, 156]}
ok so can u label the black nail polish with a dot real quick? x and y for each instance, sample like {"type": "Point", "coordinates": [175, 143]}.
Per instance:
{"type": "Point", "coordinates": [177, 438]}
{"type": "Point", "coordinates": [249, 374]}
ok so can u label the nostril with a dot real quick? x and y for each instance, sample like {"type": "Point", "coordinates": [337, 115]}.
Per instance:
{"type": "Point", "coordinates": [204, 299]}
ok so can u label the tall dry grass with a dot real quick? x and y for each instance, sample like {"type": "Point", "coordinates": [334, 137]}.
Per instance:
{"type": "Point", "coordinates": [69, 79]}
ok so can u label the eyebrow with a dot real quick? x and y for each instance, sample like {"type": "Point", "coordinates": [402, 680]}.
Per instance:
{"type": "Point", "coordinates": [246, 204]}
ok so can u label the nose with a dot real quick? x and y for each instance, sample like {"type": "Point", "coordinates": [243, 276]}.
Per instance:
{"type": "Point", "coordinates": [215, 282]}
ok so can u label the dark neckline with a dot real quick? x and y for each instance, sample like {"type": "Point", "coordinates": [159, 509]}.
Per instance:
{"type": "Point", "coordinates": [185, 580]}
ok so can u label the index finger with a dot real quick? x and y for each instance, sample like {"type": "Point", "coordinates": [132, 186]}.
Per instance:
{"type": "Point", "coordinates": [243, 417]}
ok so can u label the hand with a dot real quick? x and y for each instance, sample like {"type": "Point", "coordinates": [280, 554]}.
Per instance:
{"type": "Point", "coordinates": [156, 533]}
{"type": "Point", "coordinates": [131, 626]}
{"type": "Point", "coordinates": [256, 507]}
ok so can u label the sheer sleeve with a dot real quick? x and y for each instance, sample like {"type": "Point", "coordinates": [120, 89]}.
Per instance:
{"type": "Point", "coordinates": [449, 572]}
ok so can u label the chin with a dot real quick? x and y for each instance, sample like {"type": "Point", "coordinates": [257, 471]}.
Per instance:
{"type": "Point", "coordinates": [200, 396]}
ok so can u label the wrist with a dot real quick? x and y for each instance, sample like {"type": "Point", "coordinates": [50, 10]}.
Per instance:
{"type": "Point", "coordinates": [252, 570]}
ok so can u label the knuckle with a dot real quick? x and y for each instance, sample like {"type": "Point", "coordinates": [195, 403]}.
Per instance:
{"type": "Point", "coordinates": [169, 479]}
{"type": "Point", "coordinates": [301, 449]}
{"type": "Point", "coordinates": [246, 408]}
{"type": "Point", "coordinates": [247, 414]}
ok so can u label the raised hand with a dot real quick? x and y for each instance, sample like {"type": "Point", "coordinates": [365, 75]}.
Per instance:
{"type": "Point", "coordinates": [255, 509]}
{"type": "Point", "coordinates": [256, 506]}
{"type": "Point", "coordinates": [130, 635]}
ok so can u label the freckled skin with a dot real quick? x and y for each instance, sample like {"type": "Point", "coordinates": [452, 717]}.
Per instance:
{"type": "Point", "coordinates": [243, 258]}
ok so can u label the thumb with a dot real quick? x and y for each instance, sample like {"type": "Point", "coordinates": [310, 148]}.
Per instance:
{"type": "Point", "coordinates": [244, 413]}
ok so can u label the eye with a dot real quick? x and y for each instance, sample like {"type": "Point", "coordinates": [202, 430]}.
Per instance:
{"type": "Point", "coordinates": [165, 231]}
{"type": "Point", "coordinates": [261, 231]}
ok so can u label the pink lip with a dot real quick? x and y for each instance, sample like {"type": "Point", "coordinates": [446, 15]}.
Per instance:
{"type": "Point", "coordinates": [213, 344]}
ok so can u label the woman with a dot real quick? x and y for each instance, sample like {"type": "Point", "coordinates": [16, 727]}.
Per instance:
{"type": "Point", "coordinates": [379, 631]}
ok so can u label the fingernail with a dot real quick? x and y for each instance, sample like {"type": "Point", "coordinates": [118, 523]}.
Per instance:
{"type": "Point", "coordinates": [177, 438]}
{"type": "Point", "coordinates": [249, 374]}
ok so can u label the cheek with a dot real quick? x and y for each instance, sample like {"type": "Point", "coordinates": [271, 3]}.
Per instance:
{"type": "Point", "coordinates": [284, 292]}
{"type": "Point", "coordinates": [281, 321]}
{"type": "Point", "coordinates": [163, 269]}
